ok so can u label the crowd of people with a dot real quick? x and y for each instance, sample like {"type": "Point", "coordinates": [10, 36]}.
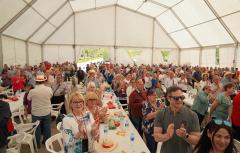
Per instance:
{"type": "Point", "coordinates": [154, 96]}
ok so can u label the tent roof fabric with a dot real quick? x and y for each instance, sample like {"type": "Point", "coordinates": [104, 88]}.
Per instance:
{"type": "Point", "coordinates": [188, 23]}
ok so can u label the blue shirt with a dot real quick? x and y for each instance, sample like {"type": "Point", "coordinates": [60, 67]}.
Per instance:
{"type": "Point", "coordinates": [148, 124]}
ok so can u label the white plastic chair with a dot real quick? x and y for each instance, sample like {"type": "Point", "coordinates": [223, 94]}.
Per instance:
{"type": "Point", "coordinates": [237, 144]}
{"type": "Point", "coordinates": [30, 139]}
{"type": "Point", "coordinates": [59, 126]}
{"type": "Point", "coordinates": [18, 115]}
{"type": "Point", "coordinates": [49, 143]}
{"type": "Point", "coordinates": [56, 109]}
{"type": "Point", "coordinates": [14, 145]}
{"type": "Point", "coordinates": [9, 92]}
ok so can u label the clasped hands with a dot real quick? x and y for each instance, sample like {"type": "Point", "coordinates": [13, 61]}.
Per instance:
{"type": "Point", "coordinates": [181, 132]}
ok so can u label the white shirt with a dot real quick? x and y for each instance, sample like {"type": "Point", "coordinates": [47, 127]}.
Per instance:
{"type": "Point", "coordinates": [182, 83]}
{"type": "Point", "coordinates": [129, 90]}
{"type": "Point", "coordinates": [168, 82]}
{"type": "Point", "coordinates": [41, 100]}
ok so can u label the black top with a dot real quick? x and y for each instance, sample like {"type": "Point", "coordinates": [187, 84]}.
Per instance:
{"type": "Point", "coordinates": [5, 114]}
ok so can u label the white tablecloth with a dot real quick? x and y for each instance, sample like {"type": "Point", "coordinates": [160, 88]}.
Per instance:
{"type": "Point", "coordinates": [15, 105]}
{"type": "Point", "coordinates": [124, 141]}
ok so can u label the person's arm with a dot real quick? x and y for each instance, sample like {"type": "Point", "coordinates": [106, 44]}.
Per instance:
{"type": "Point", "coordinates": [230, 113]}
{"type": "Point", "coordinates": [193, 138]}
{"type": "Point", "coordinates": [159, 136]}
{"type": "Point", "coordinates": [146, 111]}
{"type": "Point", "coordinates": [151, 115]}
{"type": "Point", "coordinates": [213, 107]}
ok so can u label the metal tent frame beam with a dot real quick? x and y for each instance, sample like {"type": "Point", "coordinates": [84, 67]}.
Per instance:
{"type": "Point", "coordinates": [221, 21]}
{"type": "Point", "coordinates": [47, 20]}
{"type": "Point", "coordinates": [10, 22]}
{"type": "Point", "coordinates": [58, 27]}
{"type": "Point", "coordinates": [40, 14]}
{"type": "Point", "coordinates": [1, 52]}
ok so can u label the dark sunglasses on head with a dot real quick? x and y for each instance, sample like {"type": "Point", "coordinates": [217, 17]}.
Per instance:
{"type": "Point", "coordinates": [220, 122]}
{"type": "Point", "coordinates": [178, 97]}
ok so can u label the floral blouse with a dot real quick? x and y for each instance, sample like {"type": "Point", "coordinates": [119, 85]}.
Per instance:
{"type": "Point", "coordinates": [148, 124]}
{"type": "Point", "coordinates": [69, 129]}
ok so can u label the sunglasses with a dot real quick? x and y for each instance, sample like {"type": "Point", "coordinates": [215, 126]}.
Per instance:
{"type": "Point", "coordinates": [177, 98]}
{"type": "Point", "coordinates": [222, 122]}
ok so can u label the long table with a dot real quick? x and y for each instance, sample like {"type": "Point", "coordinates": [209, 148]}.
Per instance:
{"type": "Point", "coordinates": [15, 105]}
{"type": "Point", "coordinates": [124, 144]}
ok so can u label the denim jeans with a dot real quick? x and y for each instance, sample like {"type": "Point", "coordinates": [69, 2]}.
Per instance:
{"type": "Point", "coordinates": [151, 144]}
{"type": "Point", "coordinates": [137, 123]}
{"type": "Point", "coordinates": [45, 124]}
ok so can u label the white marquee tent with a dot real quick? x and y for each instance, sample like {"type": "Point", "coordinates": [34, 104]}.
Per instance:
{"type": "Point", "coordinates": [32, 31]}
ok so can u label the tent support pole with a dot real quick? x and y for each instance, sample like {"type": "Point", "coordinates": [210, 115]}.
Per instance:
{"type": "Point", "coordinates": [179, 56]}
{"type": "Point", "coordinates": [1, 52]}
{"type": "Point", "coordinates": [27, 52]}
{"type": "Point", "coordinates": [115, 33]}
{"type": "Point", "coordinates": [153, 35]}
{"type": "Point", "coordinates": [74, 35]}
{"type": "Point", "coordinates": [200, 57]}
{"type": "Point", "coordinates": [235, 56]}
{"type": "Point", "coordinates": [42, 54]}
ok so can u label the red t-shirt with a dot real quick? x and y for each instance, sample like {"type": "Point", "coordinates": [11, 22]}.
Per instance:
{"type": "Point", "coordinates": [17, 83]}
{"type": "Point", "coordinates": [236, 111]}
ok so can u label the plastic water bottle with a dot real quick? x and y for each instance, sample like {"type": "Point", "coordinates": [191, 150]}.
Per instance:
{"type": "Point", "coordinates": [105, 130]}
{"type": "Point", "coordinates": [132, 138]}
{"type": "Point", "coordinates": [126, 125]}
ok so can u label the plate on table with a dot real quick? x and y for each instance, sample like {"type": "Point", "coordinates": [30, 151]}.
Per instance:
{"type": "Point", "coordinates": [105, 145]}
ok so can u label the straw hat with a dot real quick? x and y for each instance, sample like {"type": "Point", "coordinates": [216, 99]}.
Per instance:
{"type": "Point", "coordinates": [40, 78]}
{"type": "Point", "coordinates": [227, 73]}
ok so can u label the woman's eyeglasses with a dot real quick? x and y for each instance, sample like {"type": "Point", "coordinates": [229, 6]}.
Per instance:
{"type": "Point", "coordinates": [220, 122]}
{"type": "Point", "coordinates": [177, 98]}
{"type": "Point", "coordinates": [78, 102]}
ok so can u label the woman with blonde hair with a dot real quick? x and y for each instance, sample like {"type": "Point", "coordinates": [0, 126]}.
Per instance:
{"type": "Point", "coordinates": [93, 106]}
{"type": "Point", "coordinates": [79, 128]}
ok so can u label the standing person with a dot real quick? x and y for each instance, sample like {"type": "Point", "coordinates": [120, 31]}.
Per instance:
{"type": "Point", "coordinates": [5, 115]}
{"type": "Point", "coordinates": [170, 80]}
{"type": "Point", "coordinates": [17, 82]}
{"type": "Point", "coordinates": [216, 85]}
{"type": "Point", "coordinates": [59, 89]}
{"type": "Point", "coordinates": [80, 75]}
{"type": "Point", "coordinates": [136, 99]}
{"type": "Point", "coordinates": [216, 138]}
{"type": "Point", "coordinates": [227, 78]}
{"type": "Point", "coordinates": [176, 126]}
{"type": "Point", "coordinates": [221, 107]}
{"type": "Point", "coordinates": [235, 117]}
{"type": "Point", "coordinates": [201, 102]}
{"type": "Point", "coordinates": [41, 108]}
{"type": "Point", "coordinates": [149, 110]}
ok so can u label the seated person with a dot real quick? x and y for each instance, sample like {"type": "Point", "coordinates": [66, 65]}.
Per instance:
{"type": "Point", "coordinates": [92, 104]}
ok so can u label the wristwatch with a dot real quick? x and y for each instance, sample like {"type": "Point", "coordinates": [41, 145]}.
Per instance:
{"type": "Point", "coordinates": [187, 135]}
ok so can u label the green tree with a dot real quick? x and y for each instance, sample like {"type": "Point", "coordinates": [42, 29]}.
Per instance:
{"type": "Point", "coordinates": [133, 53]}
{"type": "Point", "coordinates": [165, 55]}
